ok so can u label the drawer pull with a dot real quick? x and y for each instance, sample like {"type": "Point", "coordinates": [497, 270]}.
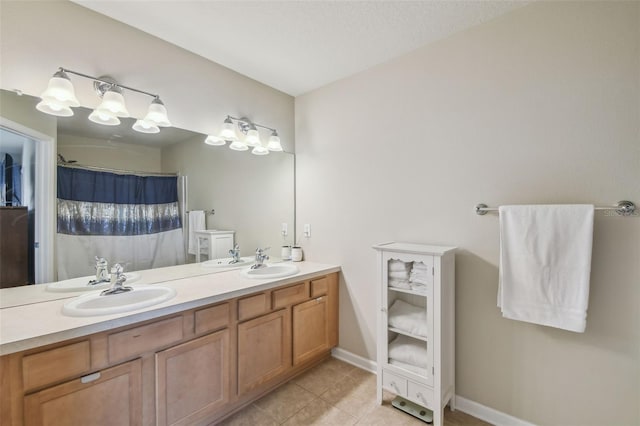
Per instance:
{"type": "Point", "coordinates": [90, 377]}
{"type": "Point", "coordinates": [319, 299]}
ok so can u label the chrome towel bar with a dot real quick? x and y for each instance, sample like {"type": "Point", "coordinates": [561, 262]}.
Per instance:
{"type": "Point", "coordinates": [623, 208]}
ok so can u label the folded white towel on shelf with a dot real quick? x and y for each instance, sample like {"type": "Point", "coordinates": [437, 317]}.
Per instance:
{"type": "Point", "coordinates": [196, 222]}
{"type": "Point", "coordinates": [545, 264]}
{"type": "Point", "coordinates": [399, 275]}
{"type": "Point", "coordinates": [419, 281]}
{"type": "Point", "coordinates": [408, 350]}
{"type": "Point", "coordinates": [418, 266]}
{"type": "Point", "coordinates": [399, 266]}
{"type": "Point", "coordinates": [399, 284]}
{"type": "Point", "coordinates": [407, 317]}
{"type": "Point", "coordinates": [419, 288]}
{"type": "Point", "coordinates": [409, 367]}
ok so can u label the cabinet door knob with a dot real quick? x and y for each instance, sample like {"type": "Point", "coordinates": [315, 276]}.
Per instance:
{"type": "Point", "coordinates": [421, 397]}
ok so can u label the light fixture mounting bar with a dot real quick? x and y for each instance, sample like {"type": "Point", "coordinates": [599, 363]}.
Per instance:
{"type": "Point", "coordinates": [247, 121]}
{"type": "Point", "coordinates": [111, 83]}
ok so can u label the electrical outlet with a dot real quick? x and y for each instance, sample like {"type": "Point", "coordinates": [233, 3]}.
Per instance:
{"type": "Point", "coordinates": [307, 230]}
{"type": "Point", "coordinates": [285, 229]}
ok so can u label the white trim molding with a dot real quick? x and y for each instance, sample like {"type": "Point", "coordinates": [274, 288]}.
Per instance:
{"type": "Point", "coordinates": [488, 414]}
{"type": "Point", "coordinates": [353, 359]}
{"type": "Point", "coordinates": [45, 201]}
{"type": "Point", "coordinates": [482, 412]}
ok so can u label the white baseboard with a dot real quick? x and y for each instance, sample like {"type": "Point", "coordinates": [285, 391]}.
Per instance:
{"type": "Point", "coordinates": [482, 412]}
{"type": "Point", "coordinates": [353, 359]}
{"type": "Point", "coordinates": [488, 414]}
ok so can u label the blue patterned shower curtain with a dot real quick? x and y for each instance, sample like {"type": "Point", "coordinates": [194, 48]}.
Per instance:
{"type": "Point", "coordinates": [127, 219]}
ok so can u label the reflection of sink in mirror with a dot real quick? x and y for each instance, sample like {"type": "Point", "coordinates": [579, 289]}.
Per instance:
{"type": "Point", "coordinates": [272, 271]}
{"type": "Point", "coordinates": [82, 283]}
{"type": "Point", "coordinates": [224, 262]}
{"type": "Point", "coordinates": [94, 304]}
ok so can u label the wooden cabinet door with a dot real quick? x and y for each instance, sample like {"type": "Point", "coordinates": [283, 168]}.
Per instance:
{"type": "Point", "coordinates": [109, 397]}
{"type": "Point", "coordinates": [192, 379]}
{"type": "Point", "coordinates": [264, 349]}
{"type": "Point", "coordinates": [310, 329]}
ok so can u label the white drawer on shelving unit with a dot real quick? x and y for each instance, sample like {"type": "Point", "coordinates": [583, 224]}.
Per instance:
{"type": "Point", "coordinates": [394, 383]}
{"type": "Point", "coordinates": [420, 394]}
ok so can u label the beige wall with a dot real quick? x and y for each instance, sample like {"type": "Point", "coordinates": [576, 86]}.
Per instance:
{"type": "Point", "coordinates": [251, 195]}
{"type": "Point", "coordinates": [539, 106]}
{"type": "Point", "coordinates": [110, 154]}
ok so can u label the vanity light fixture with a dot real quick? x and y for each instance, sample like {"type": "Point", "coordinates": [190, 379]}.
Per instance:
{"type": "Point", "coordinates": [251, 136]}
{"type": "Point", "coordinates": [60, 97]}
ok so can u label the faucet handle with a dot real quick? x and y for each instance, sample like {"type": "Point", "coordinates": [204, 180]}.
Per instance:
{"type": "Point", "coordinates": [101, 261]}
{"type": "Point", "coordinates": [117, 269]}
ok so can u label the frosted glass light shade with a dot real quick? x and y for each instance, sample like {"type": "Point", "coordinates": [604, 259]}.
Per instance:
{"type": "Point", "coordinates": [158, 114]}
{"type": "Point", "coordinates": [113, 102]}
{"type": "Point", "coordinates": [259, 150]}
{"type": "Point", "coordinates": [252, 138]}
{"type": "Point", "coordinates": [104, 117]}
{"type": "Point", "coordinates": [228, 131]}
{"type": "Point", "coordinates": [274, 143]}
{"type": "Point", "coordinates": [61, 90]}
{"type": "Point", "coordinates": [214, 140]}
{"type": "Point", "coordinates": [238, 146]}
{"type": "Point", "coordinates": [50, 106]}
{"type": "Point", "coordinates": [143, 126]}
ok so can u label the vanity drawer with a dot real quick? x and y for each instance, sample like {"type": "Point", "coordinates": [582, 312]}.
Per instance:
{"type": "Point", "coordinates": [253, 306]}
{"type": "Point", "coordinates": [213, 318]}
{"type": "Point", "coordinates": [420, 394]}
{"type": "Point", "coordinates": [136, 341]}
{"type": "Point", "coordinates": [290, 295]}
{"type": "Point", "coordinates": [394, 383]}
{"type": "Point", "coordinates": [319, 287]}
{"type": "Point", "coordinates": [57, 364]}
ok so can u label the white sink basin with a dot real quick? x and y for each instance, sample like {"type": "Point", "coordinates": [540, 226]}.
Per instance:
{"type": "Point", "coordinates": [82, 283]}
{"type": "Point", "coordinates": [93, 304]}
{"type": "Point", "coordinates": [224, 262]}
{"type": "Point", "coordinates": [272, 271]}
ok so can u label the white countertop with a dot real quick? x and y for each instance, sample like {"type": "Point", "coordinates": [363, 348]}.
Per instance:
{"type": "Point", "coordinates": [26, 326]}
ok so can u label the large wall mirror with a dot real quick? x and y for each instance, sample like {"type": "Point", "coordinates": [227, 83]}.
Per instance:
{"type": "Point", "coordinates": [248, 194]}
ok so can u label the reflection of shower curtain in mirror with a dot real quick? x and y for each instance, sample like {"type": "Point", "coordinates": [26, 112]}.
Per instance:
{"type": "Point", "coordinates": [127, 219]}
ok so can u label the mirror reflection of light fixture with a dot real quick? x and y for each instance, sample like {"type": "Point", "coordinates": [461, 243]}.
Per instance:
{"type": "Point", "coordinates": [251, 138]}
{"type": "Point", "coordinates": [105, 117]}
{"type": "Point", "coordinates": [144, 126]}
{"type": "Point", "coordinates": [60, 97]}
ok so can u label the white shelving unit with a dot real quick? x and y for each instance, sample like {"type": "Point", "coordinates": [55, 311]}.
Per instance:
{"type": "Point", "coordinates": [218, 243]}
{"type": "Point", "coordinates": [425, 374]}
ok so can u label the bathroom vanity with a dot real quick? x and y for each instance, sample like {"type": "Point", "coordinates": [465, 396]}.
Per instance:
{"type": "Point", "coordinates": [224, 341]}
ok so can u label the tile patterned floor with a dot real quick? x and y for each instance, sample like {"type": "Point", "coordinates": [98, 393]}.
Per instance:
{"type": "Point", "coordinates": [334, 394]}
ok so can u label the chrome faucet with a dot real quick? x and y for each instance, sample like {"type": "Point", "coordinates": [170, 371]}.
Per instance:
{"type": "Point", "coordinates": [235, 254]}
{"type": "Point", "coordinates": [102, 274]}
{"type": "Point", "coordinates": [260, 258]}
{"type": "Point", "coordinates": [117, 281]}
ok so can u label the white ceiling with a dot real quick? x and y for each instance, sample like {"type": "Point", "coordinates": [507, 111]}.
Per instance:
{"type": "Point", "coordinates": [299, 46]}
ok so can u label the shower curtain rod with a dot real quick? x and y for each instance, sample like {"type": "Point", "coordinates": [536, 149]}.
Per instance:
{"type": "Point", "coordinates": [117, 171]}
{"type": "Point", "coordinates": [623, 208]}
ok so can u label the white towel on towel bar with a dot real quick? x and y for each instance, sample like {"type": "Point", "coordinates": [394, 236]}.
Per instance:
{"type": "Point", "coordinates": [545, 263]}
{"type": "Point", "coordinates": [196, 223]}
